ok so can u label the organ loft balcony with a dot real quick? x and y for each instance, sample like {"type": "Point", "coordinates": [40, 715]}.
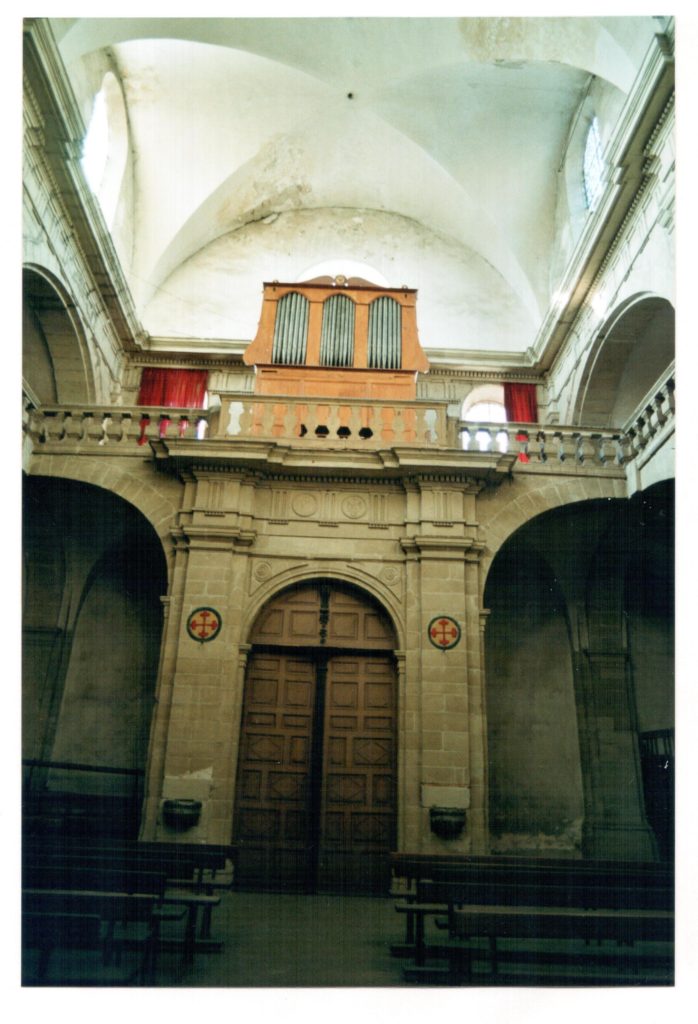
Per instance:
{"type": "Point", "coordinates": [335, 367]}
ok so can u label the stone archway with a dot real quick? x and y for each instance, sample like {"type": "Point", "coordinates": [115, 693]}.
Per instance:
{"type": "Point", "coordinates": [56, 366]}
{"type": "Point", "coordinates": [632, 351]}
{"type": "Point", "coordinates": [315, 803]}
{"type": "Point", "coordinates": [94, 573]}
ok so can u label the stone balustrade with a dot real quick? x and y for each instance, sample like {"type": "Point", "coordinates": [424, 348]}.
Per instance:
{"type": "Point", "coordinates": [101, 425]}
{"type": "Point", "coordinates": [349, 424]}
{"type": "Point", "coordinates": [653, 417]}
{"type": "Point", "coordinates": [536, 443]}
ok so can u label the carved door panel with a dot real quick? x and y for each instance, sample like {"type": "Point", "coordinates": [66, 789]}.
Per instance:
{"type": "Point", "coordinates": [272, 827]}
{"type": "Point", "coordinates": [358, 803]}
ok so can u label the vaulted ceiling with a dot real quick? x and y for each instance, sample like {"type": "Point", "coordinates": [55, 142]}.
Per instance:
{"type": "Point", "coordinates": [428, 152]}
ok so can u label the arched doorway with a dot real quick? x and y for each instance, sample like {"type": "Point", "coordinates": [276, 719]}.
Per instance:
{"type": "Point", "coordinates": [316, 780]}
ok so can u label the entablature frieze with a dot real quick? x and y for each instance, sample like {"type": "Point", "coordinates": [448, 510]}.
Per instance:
{"type": "Point", "coordinates": [278, 462]}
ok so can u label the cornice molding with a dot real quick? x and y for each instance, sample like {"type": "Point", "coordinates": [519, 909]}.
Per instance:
{"type": "Point", "coordinates": [53, 104]}
{"type": "Point", "coordinates": [265, 461]}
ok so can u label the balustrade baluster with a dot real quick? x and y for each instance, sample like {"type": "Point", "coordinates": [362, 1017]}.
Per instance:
{"type": "Point", "coordinates": [598, 443]}
{"type": "Point", "coordinates": [235, 412]}
{"type": "Point", "coordinates": [258, 411]}
{"type": "Point", "coordinates": [44, 428]}
{"type": "Point", "coordinates": [651, 420]}
{"type": "Point", "coordinates": [641, 433]}
{"type": "Point", "coordinates": [387, 433]}
{"type": "Point", "coordinates": [85, 425]}
{"type": "Point", "coordinates": [669, 388]}
{"type": "Point", "coordinates": [502, 440]}
{"type": "Point", "coordinates": [312, 422]}
{"type": "Point", "coordinates": [246, 418]}
{"type": "Point", "coordinates": [66, 423]}
{"type": "Point", "coordinates": [408, 425]}
{"type": "Point", "coordinates": [344, 417]}
{"type": "Point", "coordinates": [485, 439]}
{"type": "Point", "coordinates": [332, 421]}
{"type": "Point", "coordinates": [430, 435]}
{"type": "Point", "coordinates": [523, 440]}
{"type": "Point", "coordinates": [278, 411]}
{"type": "Point", "coordinates": [104, 428]}
{"type": "Point", "coordinates": [300, 421]}
{"type": "Point", "coordinates": [399, 425]}
{"type": "Point", "coordinates": [540, 441]}
{"type": "Point", "coordinates": [578, 447]}
{"type": "Point", "coordinates": [355, 422]}
{"type": "Point", "coordinates": [559, 442]}
{"type": "Point", "coordinates": [659, 411]}
{"type": "Point", "coordinates": [618, 443]}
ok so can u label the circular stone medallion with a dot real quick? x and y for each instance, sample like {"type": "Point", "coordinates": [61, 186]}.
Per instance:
{"type": "Point", "coordinates": [204, 624]}
{"type": "Point", "coordinates": [444, 632]}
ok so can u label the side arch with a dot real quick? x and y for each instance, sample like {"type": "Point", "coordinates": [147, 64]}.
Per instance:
{"type": "Point", "coordinates": [631, 350]}
{"type": "Point", "coordinates": [514, 511]}
{"type": "Point", "coordinates": [91, 643]}
{"type": "Point", "coordinates": [54, 341]}
{"type": "Point", "coordinates": [154, 502]}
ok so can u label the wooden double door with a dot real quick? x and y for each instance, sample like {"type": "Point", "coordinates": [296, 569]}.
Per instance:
{"type": "Point", "coordinates": [315, 793]}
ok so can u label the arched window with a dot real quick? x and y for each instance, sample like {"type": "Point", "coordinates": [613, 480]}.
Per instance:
{"type": "Point", "coordinates": [105, 149]}
{"type": "Point", "coordinates": [337, 339]}
{"type": "Point", "coordinates": [486, 405]}
{"type": "Point", "coordinates": [593, 166]}
{"type": "Point", "coordinates": [290, 330]}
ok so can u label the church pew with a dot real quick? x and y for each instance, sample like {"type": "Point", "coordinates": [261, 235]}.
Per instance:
{"type": "Point", "coordinates": [126, 921]}
{"type": "Point", "coordinates": [211, 867]}
{"type": "Point", "coordinates": [501, 879]}
{"type": "Point", "coordinates": [204, 868]}
{"type": "Point", "coordinates": [214, 864]}
{"type": "Point", "coordinates": [434, 885]}
{"type": "Point", "coordinates": [90, 873]}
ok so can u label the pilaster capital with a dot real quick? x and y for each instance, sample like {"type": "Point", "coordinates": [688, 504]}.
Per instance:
{"type": "Point", "coordinates": [243, 654]}
{"type": "Point", "coordinates": [442, 548]}
{"type": "Point", "coordinates": [212, 538]}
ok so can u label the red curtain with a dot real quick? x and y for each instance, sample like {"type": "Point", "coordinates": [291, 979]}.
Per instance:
{"type": "Point", "coordinates": [181, 389]}
{"type": "Point", "coordinates": [520, 403]}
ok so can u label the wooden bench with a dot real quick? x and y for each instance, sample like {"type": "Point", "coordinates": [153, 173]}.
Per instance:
{"type": "Point", "coordinates": [524, 898]}
{"type": "Point", "coordinates": [89, 873]}
{"type": "Point", "coordinates": [212, 866]}
{"type": "Point", "coordinates": [125, 921]}
{"type": "Point", "coordinates": [202, 868]}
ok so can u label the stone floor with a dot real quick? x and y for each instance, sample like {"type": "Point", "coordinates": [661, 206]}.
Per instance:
{"type": "Point", "coordinates": [296, 941]}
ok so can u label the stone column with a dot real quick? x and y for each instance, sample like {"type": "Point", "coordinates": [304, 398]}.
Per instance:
{"type": "Point", "coordinates": [409, 736]}
{"type": "Point", "coordinates": [405, 727]}
{"type": "Point", "coordinates": [194, 737]}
